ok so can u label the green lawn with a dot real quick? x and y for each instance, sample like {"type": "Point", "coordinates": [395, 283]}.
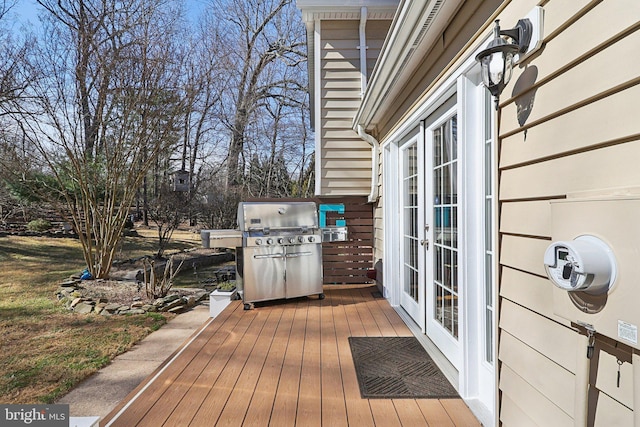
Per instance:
{"type": "Point", "coordinates": [45, 349]}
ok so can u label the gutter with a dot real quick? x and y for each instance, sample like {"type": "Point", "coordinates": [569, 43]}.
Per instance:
{"type": "Point", "coordinates": [363, 50]}
{"type": "Point", "coordinates": [375, 147]}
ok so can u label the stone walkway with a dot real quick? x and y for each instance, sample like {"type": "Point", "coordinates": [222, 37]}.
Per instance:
{"type": "Point", "coordinates": [100, 393]}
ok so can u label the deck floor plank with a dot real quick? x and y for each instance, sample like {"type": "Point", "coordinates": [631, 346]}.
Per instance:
{"type": "Point", "coordinates": [179, 372]}
{"type": "Point", "coordinates": [179, 409]}
{"type": "Point", "coordinates": [286, 402]}
{"type": "Point", "coordinates": [334, 412]}
{"type": "Point", "coordinates": [261, 404]}
{"type": "Point", "coordinates": [384, 413]}
{"type": "Point", "coordinates": [285, 363]}
{"type": "Point", "coordinates": [379, 317]}
{"type": "Point", "coordinates": [409, 412]}
{"type": "Point", "coordinates": [358, 409]}
{"type": "Point", "coordinates": [220, 389]}
{"type": "Point", "coordinates": [434, 413]}
{"type": "Point", "coordinates": [238, 403]}
{"type": "Point", "coordinates": [460, 413]}
{"type": "Point", "coordinates": [309, 402]}
{"type": "Point", "coordinates": [371, 328]}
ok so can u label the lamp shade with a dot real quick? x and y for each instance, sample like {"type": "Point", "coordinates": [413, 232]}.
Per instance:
{"type": "Point", "coordinates": [496, 70]}
{"type": "Point", "coordinates": [496, 62]}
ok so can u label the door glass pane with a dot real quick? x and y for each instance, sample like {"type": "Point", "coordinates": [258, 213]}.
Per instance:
{"type": "Point", "coordinates": [445, 213]}
{"type": "Point", "coordinates": [410, 221]}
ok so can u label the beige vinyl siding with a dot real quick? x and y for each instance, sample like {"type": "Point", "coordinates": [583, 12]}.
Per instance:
{"type": "Point", "coordinates": [578, 131]}
{"type": "Point", "coordinates": [345, 159]}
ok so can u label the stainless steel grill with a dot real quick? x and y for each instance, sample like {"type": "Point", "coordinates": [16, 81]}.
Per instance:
{"type": "Point", "coordinates": [281, 254]}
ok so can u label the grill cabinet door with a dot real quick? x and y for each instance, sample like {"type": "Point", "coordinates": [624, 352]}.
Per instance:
{"type": "Point", "coordinates": [263, 274]}
{"type": "Point", "coordinates": [304, 270]}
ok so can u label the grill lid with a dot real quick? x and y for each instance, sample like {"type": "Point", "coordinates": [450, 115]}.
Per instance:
{"type": "Point", "coordinates": [270, 217]}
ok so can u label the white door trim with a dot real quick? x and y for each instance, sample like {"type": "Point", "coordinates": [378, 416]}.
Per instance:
{"type": "Point", "coordinates": [476, 378]}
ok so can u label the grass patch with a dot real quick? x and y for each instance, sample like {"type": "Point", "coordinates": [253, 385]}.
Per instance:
{"type": "Point", "coordinates": [47, 350]}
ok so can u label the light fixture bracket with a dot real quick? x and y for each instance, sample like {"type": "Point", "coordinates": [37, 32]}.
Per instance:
{"type": "Point", "coordinates": [520, 34]}
{"type": "Point", "coordinates": [505, 50]}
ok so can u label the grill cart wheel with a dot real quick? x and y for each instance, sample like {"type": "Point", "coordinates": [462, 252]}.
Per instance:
{"type": "Point", "coordinates": [321, 296]}
{"type": "Point", "coordinates": [248, 306]}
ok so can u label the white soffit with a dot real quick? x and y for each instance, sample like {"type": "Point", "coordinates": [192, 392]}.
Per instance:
{"type": "Point", "coordinates": [417, 27]}
{"type": "Point", "coordinates": [346, 9]}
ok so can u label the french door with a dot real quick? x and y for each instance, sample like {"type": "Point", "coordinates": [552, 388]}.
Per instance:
{"type": "Point", "coordinates": [442, 246]}
{"type": "Point", "coordinates": [439, 180]}
{"type": "Point", "coordinates": [411, 269]}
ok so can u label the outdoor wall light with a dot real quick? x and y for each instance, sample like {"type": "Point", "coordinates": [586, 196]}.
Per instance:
{"type": "Point", "coordinates": [497, 60]}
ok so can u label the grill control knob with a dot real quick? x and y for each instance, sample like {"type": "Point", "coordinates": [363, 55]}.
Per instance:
{"type": "Point", "coordinates": [258, 242]}
{"type": "Point", "coordinates": [280, 240]}
{"type": "Point", "coordinates": [269, 241]}
{"type": "Point", "coordinates": [311, 238]}
{"type": "Point", "coordinates": [300, 239]}
{"type": "Point", "coordinates": [291, 240]}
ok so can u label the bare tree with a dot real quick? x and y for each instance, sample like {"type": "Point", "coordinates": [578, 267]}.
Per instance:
{"type": "Point", "coordinates": [264, 38]}
{"type": "Point", "coordinates": [15, 74]}
{"type": "Point", "coordinates": [105, 107]}
{"type": "Point", "coordinates": [201, 142]}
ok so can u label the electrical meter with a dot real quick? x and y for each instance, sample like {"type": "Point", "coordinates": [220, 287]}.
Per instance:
{"type": "Point", "coordinates": [584, 264]}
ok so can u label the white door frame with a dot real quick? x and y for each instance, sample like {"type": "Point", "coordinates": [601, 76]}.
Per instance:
{"type": "Point", "coordinates": [477, 379]}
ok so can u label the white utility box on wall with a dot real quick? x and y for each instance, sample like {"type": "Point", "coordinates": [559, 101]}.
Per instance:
{"type": "Point", "coordinates": [594, 261]}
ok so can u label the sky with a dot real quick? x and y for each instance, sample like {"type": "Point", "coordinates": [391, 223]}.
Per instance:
{"type": "Point", "coordinates": [26, 11]}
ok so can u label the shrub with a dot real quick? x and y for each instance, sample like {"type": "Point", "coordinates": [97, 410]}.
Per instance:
{"type": "Point", "coordinates": [226, 286]}
{"type": "Point", "coordinates": [39, 225]}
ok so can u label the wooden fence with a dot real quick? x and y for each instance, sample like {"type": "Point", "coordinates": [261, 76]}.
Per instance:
{"type": "Point", "coordinates": [349, 261]}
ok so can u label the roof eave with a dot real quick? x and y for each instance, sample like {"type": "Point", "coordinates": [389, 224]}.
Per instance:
{"type": "Point", "coordinates": [414, 31]}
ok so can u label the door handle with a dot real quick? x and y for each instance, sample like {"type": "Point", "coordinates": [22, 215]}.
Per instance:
{"type": "Point", "coordinates": [297, 254]}
{"type": "Point", "coordinates": [268, 256]}
{"type": "Point", "coordinates": [425, 242]}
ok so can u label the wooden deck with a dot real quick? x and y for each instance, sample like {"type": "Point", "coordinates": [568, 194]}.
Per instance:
{"type": "Point", "coordinates": [281, 364]}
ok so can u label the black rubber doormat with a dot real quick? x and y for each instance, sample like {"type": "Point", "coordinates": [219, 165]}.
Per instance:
{"type": "Point", "coordinates": [397, 367]}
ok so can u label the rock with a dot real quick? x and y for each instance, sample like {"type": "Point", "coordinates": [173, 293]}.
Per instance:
{"type": "Point", "coordinates": [159, 302]}
{"type": "Point", "coordinates": [176, 309]}
{"type": "Point", "coordinates": [112, 307]}
{"type": "Point", "coordinates": [75, 302]}
{"type": "Point", "coordinates": [69, 284]}
{"type": "Point", "coordinates": [83, 308]}
{"type": "Point", "coordinates": [170, 298]}
{"type": "Point", "coordinates": [190, 300]}
{"type": "Point", "coordinates": [150, 308]}
{"type": "Point", "coordinates": [137, 304]}
{"type": "Point", "coordinates": [172, 304]}
{"type": "Point", "coordinates": [136, 311]}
